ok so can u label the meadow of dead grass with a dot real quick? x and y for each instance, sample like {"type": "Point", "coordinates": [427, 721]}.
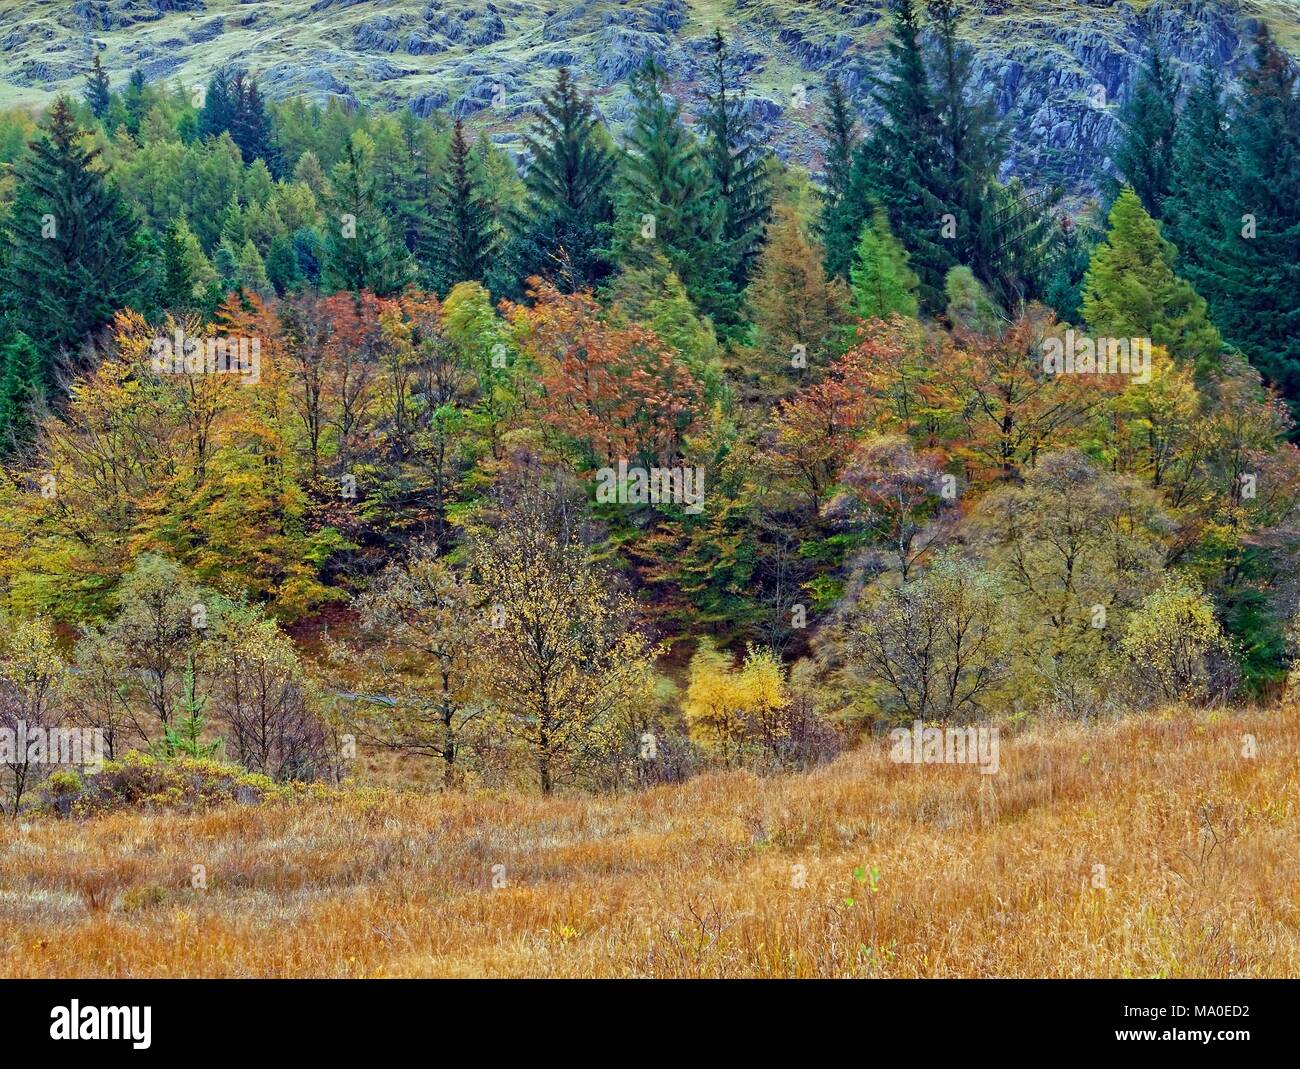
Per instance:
{"type": "Point", "coordinates": [863, 868]}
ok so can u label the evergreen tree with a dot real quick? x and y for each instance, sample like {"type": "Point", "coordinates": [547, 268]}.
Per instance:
{"type": "Point", "coordinates": [568, 210]}
{"type": "Point", "coordinates": [177, 289]}
{"type": "Point", "coordinates": [972, 143]}
{"type": "Point", "coordinates": [97, 93]}
{"type": "Point", "coordinates": [883, 283]}
{"type": "Point", "coordinates": [282, 267]}
{"type": "Point", "coordinates": [218, 110]}
{"type": "Point", "coordinates": [845, 201]}
{"type": "Point", "coordinates": [250, 126]}
{"type": "Point", "coordinates": [252, 271]}
{"type": "Point", "coordinates": [463, 232]}
{"type": "Point", "coordinates": [738, 165]}
{"type": "Point", "coordinates": [20, 390]}
{"type": "Point", "coordinates": [1200, 177]}
{"type": "Point", "coordinates": [1131, 290]}
{"type": "Point", "coordinates": [361, 252]}
{"type": "Point", "coordinates": [1144, 154]}
{"type": "Point", "coordinates": [903, 159]}
{"type": "Point", "coordinates": [136, 100]}
{"type": "Point", "coordinates": [1252, 274]}
{"type": "Point", "coordinates": [667, 201]}
{"type": "Point", "coordinates": [73, 259]}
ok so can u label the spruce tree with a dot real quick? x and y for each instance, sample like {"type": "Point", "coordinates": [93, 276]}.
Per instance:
{"type": "Point", "coordinates": [218, 110]}
{"type": "Point", "coordinates": [73, 256]}
{"type": "Point", "coordinates": [463, 232]}
{"type": "Point", "coordinates": [883, 283]}
{"type": "Point", "coordinates": [1200, 177]}
{"type": "Point", "coordinates": [361, 252]}
{"type": "Point", "coordinates": [903, 159]}
{"type": "Point", "coordinates": [1252, 273]}
{"type": "Point", "coordinates": [738, 165]}
{"type": "Point", "coordinates": [21, 387]}
{"type": "Point", "coordinates": [97, 93]}
{"type": "Point", "coordinates": [177, 289]}
{"type": "Point", "coordinates": [250, 126]}
{"type": "Point", "coordinates": [567, 213]}
{"type": "Point", "coordinates": [1144, 153]}
{"type": "Point", "coordinates": [667, 201]}
{"type": "Point", "coordinates": [972, 143]}
{"type": "Point", "coordinates": [845, 200]}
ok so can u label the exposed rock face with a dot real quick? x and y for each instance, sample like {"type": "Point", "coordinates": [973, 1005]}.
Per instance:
{"type": "Point", "coordinates": [1058, 76]}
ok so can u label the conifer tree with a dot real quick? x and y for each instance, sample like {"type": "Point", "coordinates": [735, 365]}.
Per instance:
{"type": "Point", "coordinates": [1144, 153]}
{"type": "Point", "coordinates": [668, 202]}
{"type": "Point", "coordinates": [97, 93]}
{"type": "Point", "coordinates": [249, 125]}
{"type": "Point", "coordinates": [463, 233]}
{"type": "Point", "coordinates": [218, 110]}
{"type": "Point", "coordinates": [73, 259]}
{"type": "Point", "coordinates": [1131, 290]}
{"type": "Point", "coordinates": [883, 283]}
{"type": "Point", "coordinates": [361, 252]}
{"type": "Point", "coordinates": [738, 164]}
{"type": "Point", "coordinates": [972, 144]}
{"type": "Point", "coordinates": [568, 210]}
{"type": "Point", "coordinates": [798, 310]}
{"type": "Point", "coordinates": [177, 289]}
{"type": "Point", "coordinates": [845, 200]}
{"type": "Point", "coordinates": [1252, 273]}
{"type": "Point", "coordinates": [1200, 176]}
{"type": "Point", "coordinates": [20, 389]}
{"type": "Point", "coordinates": [903, 158]}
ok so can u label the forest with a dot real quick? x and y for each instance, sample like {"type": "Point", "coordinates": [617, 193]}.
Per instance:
{"type": "Point", "coordinates": [338, 445]}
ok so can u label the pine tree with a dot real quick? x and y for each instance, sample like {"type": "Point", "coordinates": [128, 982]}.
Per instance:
{"type": "Point", "coordinates": [738, 165]}
{"type": "Point", "coordinates": [361, 252]}
{"type": "Point", "coordinates": [845, 204]}
{"type": "Point", "coordinates": [1131, 290]}
{"type": "Point", "coordinates": [218, 110]}
{"type": "Point", "coordinates": [250, 126]}
{"type": "Point", "coordinates": [98, 95]}
{"type": "Point", "coordinates": [463, 233]}
{"type": "Point", "coordinates": [73, 259]}
{"type": "Point", "coordinates": [903, 160]}
{"type": "Point", "coordinates": [568, 210]}
{"type": "Point", "coordinates": [973, 142]}
{"type": "Point", "coordinates": [1200, 177]}
{"type": "Point", "coordinates": [883, 283]}
{"type": "Point", "coordinates": [667, 201]}
{"type": "Point", "coordinates": [1251, 275]}
{"type": "Point", "coordinates": [177, 290]}
{"type": "Point", "coordinates": [20, 390]}
{"type": "Point", "coordinates": [1144, 154]}
{"type": "Point", "coordinates": [136, 100]}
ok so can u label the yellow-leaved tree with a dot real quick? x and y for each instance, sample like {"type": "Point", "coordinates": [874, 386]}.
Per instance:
{"type": "Point", "coordinates": [726, 705]}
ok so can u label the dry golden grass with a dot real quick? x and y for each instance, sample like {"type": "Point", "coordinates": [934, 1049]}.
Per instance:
{"type": "Point", "coordinates": [977, 875]}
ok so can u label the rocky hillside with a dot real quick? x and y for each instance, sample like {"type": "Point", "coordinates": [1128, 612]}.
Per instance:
{"type": "Point", "coordinates": [1058, 72]}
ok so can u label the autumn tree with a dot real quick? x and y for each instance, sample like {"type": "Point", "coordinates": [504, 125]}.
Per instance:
{"type": "Point", "coordinates": [561, 652]}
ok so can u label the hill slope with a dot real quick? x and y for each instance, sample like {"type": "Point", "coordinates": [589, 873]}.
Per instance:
{"type": "Point", "coordinates": [1151, 847]}
{"type": "Point", "coordinates": [453, 54]}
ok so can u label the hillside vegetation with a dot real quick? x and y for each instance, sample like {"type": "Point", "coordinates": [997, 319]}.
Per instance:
{"type": "Point", "coordinates": [864, 868]}
{"type": "Point", "coordinates": [452, 54]}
